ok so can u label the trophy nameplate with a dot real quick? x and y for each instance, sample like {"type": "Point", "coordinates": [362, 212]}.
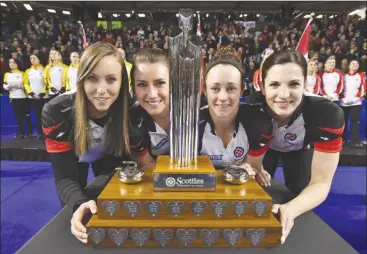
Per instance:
{"type": "Point", "coordinates": [198, 177]}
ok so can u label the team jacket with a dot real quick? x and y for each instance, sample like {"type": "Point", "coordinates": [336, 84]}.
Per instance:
{"type": "Point", "coordinates": [147, 136]}
{"type": "Point", "coordinates": [317, 123]}
{"type": "Point", "coordinates": [354, 89]}
{"type": "Point", "coordinates": [332, 84]}
{"type": "Point", "coordinates": [53, 77]}
{"type": "Point", "coordinates": [313, 84]}
{"type": "Point", "coordinates": [34, 82]}
{"type": "Point", "coordinates": [15, 78]}
{"type": "Point", "coordinates": [70, 76]}
{"type": "Point", "coordinates": [257, 81]}
{"type": "Point", "coordinates": [252, 136]}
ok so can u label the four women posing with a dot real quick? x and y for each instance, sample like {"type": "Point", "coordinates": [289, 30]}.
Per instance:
{"type": "Point", "coordinates": [94, 125]}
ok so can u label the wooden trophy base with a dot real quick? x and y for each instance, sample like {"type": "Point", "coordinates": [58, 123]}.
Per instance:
{"type": "Point", "coordinates": [184, 233]}
{"type": "Point", "coordinates": [200, 176]}
{"type": "Point", "coordinates": [139, 202]}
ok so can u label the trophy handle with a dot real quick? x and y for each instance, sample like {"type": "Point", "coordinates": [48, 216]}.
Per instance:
{"type": "Point", "coordinates": [130, 164]}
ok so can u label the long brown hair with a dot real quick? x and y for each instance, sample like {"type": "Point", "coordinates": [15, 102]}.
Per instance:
{"type": "Point", "coordinates": [117, 132]}
{"type": "Point", "coordinates": [150, 56]}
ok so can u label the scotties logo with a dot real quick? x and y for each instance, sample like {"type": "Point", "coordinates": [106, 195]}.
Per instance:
{"type": "Point", "coordinates": [290, 136]}
{"type": "Point", "coordinates": [161, 143]}
{"type": "Point", "coordinates": [239, 151]}
{"type": "Point", "coordinates": [215, 157]}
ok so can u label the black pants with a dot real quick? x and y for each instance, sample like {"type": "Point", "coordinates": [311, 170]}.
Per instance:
{"type": "Point", "coordinates": [21, 109]}
{"type": "Point", "coordinates": [37, 105]}
{"type": "Point", "coordinates": [354, 112]}
{"type": "Point", "coordinates": [296, 167]}
{"type": "Point", "coordinates": [103, 168]}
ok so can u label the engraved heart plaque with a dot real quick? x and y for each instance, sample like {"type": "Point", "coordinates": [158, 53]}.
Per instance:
{"type": "Point", "coordinates": [118, 236]}
{"type": "Point", "coordinates": [96, 235]}
{"type": "Point", "coordinates": [186, 236]}
{"type": "Point", "coordinates": [239, 207]}
{"type": "Point", "coordinates": [140, 237]}
{"type": "Point", "coordinates": [153, 207]}
{"type": "Point", "coordinates": [132, 207]}
{"type": "Point", "coordinates": [175, 208]}
{"type": "Point", "coordinates": [111, 207]}
{"type": "Point", "coordinates": [209, 237]}
{"type": "Point", "coordinates": [232, 237]}
{"type": "Point", "coordinates": [198, 208]}
{"type": "Point", "coordinates": [162, 237]}
{"type": "Point", "coordinates": [218, 208]}
{"type": "Point", "coordinates": [255, 236]}
{"type": "Point", "coordinates": [259, 207]}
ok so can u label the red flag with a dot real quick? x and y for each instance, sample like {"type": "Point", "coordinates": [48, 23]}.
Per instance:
{"type": "Point", "coordinates": [304, 42]}
{"type": "Point", "coordinates": [198, 29]}
{"type": "Point", "coordinates": [85, 43]}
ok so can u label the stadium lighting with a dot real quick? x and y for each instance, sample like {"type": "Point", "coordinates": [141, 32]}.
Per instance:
{"type": "Point", "coordinates": [28, 7]}
{"type": "Point", "coordinates": [51, 10]}
{"type": "Point", "coordinates": [141, 15]}
{"type": "Point", "coordinates": [99, 15]}
{"type": "Point", "coordinates": [241, 15]}
{"type": "Point", "coordinates": [257, 15]}
{"type": "Point", "coordinates": [66, 12]}
{"type": "Point", "coordinates": [177, 15]}
{"type": "Point", "coordinates": [245, 15]}
{"type": "Point", "coordinates": [229, 16]}
{"type": "Point", "coordinates": [79, 22]}
{"type": "Point", "coordinates": [307, 16]}
{"type": "Point", "coordinates": [354, 12]}
{"type": "Point", "coordinates": [116, 15]}
{"type": "Point", "coordinates": [128, 15]}
{"type": "Point", "coordinates": [207, 15]}
{"type": "Point", "coordinates": [319, 16]}
{"type": "Point", "coordinates": [332, 16]}
{"type": "Point", "coordinates": [3, 4]}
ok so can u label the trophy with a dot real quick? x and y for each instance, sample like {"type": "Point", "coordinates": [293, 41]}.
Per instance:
{"type": "Point", "coordinates": [184, 170]}
{"type": "Point", "coordinates": [184, 201]}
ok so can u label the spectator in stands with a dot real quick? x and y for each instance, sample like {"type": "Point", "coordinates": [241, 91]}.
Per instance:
{"type": "Point", "coordinates": [13, 82]}
{"type": "Point", "coordinates": [79, 130]}
{"type": "Point", "coordinates": [332, 81]}
{"type": "Point", "coordinates": [36, 89]}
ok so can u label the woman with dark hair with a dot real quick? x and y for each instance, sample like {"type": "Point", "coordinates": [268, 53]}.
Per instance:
{"type": "Point", "coordinates": [231, 133]}
{"type": "Point", "coordinates": [150, 115]}
{"type": "Point", "coordinates": [13, 82]}
{"type": "Point", "coordinates": [89, 125]}
{"type": "Point", "coordinates": [307, 134]}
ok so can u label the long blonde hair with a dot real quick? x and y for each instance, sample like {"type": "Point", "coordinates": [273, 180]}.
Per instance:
{"type": "Point", "coordinates": [118, 136]}
{"type": "Point", "coordinates": [49, 56]}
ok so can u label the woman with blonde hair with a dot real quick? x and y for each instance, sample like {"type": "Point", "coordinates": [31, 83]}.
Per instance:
{"type": "Point", "coordinates": [36, 89]}
{"type": "Point", "coordinates": [71, 72]}
{"type": "Point", "coordinates": [53, 76]}
{"type": "Point", "coordinates": [313, 80]}
{"type": "Point", "coordinates": [89, 125]}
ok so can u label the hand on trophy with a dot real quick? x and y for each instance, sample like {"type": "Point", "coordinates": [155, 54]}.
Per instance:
{"type": "Point", "coordinates": [263, 177]}
{"type": "Point", "coordinates": [77, 227]}
{"type": "Point", "coordinates": [286, 219]}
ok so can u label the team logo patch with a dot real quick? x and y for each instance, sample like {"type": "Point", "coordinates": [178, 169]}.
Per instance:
{"type": "Point", "coordinates": [290, 136]}
{"type": "Point", "coordinates": [239, 151]}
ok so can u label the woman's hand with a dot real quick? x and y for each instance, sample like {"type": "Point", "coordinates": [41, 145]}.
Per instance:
{"type": "Point", "coordinates": [286, 219]}
{"type": "Point", "coordinates": [77, 227]}
{"type": "Point", "coordinates": [250, 170]}
{"type": "Point", "coordinates": [263, 178]}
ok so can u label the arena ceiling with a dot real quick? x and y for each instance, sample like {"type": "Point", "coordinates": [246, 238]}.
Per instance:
{"type": "Point", "coordinates": [209, 6]}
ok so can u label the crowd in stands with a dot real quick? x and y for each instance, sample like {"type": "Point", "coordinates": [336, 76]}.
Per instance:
{"type": "Point", "coordinates": [342, 37]}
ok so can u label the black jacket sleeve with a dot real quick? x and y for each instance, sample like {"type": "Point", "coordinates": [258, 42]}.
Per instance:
{"type": "Point", "coordinates": [63, 159]}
